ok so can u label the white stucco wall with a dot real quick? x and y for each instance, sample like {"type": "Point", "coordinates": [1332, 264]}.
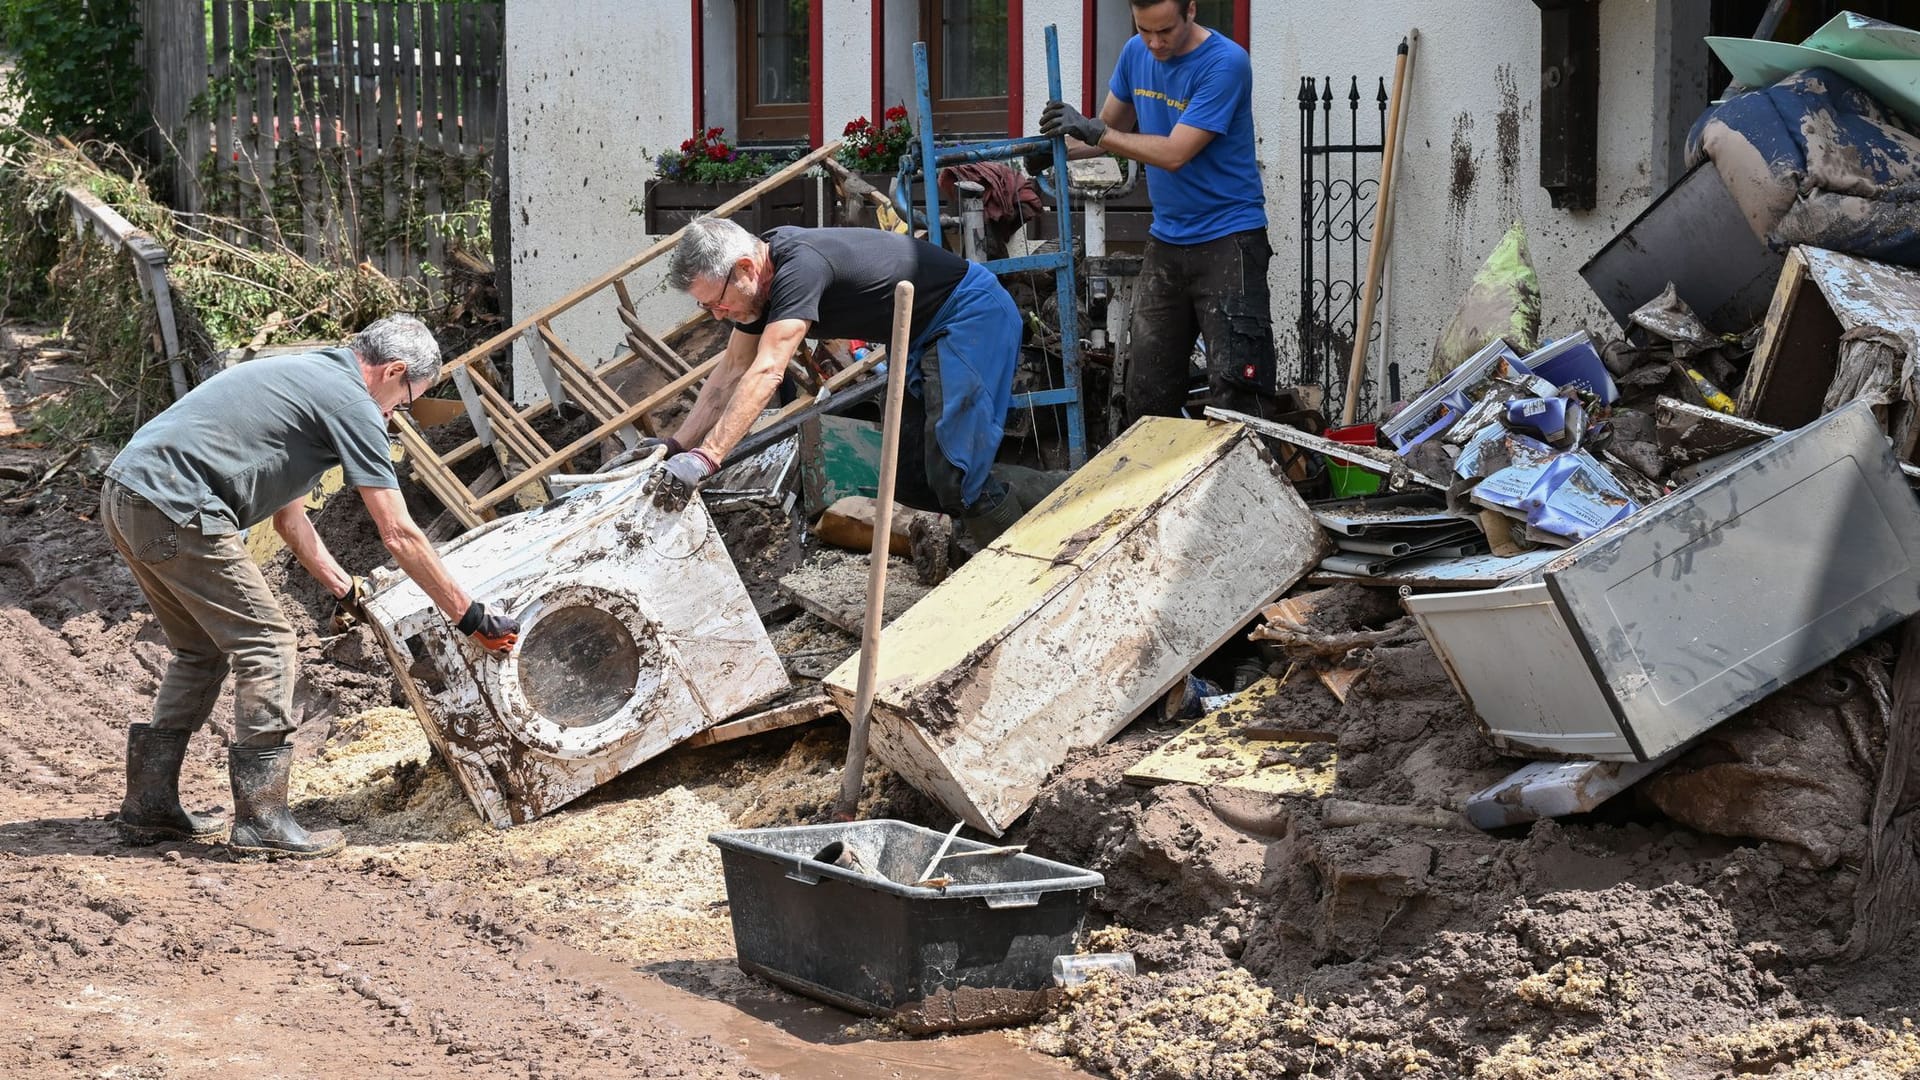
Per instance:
{"type": "Point", "coordinates": [1461, 183]}
{"type": "Point", "coordinates": [586, 118]}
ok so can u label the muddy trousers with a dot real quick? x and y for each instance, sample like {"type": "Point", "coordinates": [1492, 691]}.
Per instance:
{"type": "Point", "coordinates": [218, 615]}
{"type": "Point", "coordinates": [925, 478]}
{"type": "Point", "coordinates": [1217, 290]}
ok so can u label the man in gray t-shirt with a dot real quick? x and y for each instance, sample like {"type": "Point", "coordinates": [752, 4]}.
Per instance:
{"type": "Point", "coordinates": [244, 447]}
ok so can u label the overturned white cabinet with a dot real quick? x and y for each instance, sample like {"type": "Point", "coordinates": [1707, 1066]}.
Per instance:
{"type": "Point", "coordinates": [1696, 606]}
{"type": "Point", "coordinates": [635, 633]}
{"type": "Point", "coordinates": [1085, 612]}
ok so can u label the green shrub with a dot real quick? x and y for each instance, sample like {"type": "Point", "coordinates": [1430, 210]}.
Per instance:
{"type": "Point", "coordinates": [75, 69]}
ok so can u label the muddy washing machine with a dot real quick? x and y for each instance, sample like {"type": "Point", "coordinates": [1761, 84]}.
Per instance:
{"type": "Point", "coordinates": [635, 633]}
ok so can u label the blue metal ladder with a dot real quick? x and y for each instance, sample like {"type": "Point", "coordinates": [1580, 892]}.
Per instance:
{"type": "Point", "coordinates": [928, 161]}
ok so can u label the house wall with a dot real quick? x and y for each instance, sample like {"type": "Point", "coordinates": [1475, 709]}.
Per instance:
{"type": "Point", "coordinates": [583, 112]}
{"type": "Point", "coordinates": [1470, 166]}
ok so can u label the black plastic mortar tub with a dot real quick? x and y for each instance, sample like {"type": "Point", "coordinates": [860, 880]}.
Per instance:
{"type": "Point", "coordinates": [975, 954]}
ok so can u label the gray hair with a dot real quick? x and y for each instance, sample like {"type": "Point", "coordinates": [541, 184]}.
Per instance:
{"type": "Point", "coordinates": [400, 337]}
{"type": "Point", "coordinates": [708, 248]}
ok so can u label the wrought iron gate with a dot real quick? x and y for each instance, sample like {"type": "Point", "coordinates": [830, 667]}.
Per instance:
{"type": "Point", "coordinates": [1338, 185]}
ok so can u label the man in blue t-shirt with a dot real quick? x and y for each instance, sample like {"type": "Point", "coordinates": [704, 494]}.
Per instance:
{"type": "Point", "coordinates": [1181, 103]}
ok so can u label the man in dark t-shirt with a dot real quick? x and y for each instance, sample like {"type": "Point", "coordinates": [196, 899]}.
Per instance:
{"type": "Point", "coordinates": [795, 283]}
{"type": "Point", "coordinates": [244, 447]}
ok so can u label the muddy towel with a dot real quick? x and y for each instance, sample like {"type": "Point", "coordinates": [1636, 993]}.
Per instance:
{"type": "Point", "coordinates": [1813, 159]}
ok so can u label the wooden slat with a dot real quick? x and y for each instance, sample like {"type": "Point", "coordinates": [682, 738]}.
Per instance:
{"type": "Point", "coordinates": [509, 427]}
{"type": "Point", "coordinates": [222, 50]}
{"type": "Point", "coordinates": [305, 134]}
{"type": "Point", "coordinates": [486, 71]}
{"type": "Point", "coordinates": [429, 77]}
{"type": "Point", "coordinates": [632, 413]}
{"type": "Point", "coordinates": [469, 85]}
{"type": "Point", "coordinates": [804, 711]}
{"type": "Point", "coordinates": [407, 73]}
{"type": "Point", "coordinates": [574, 299]}
{"type": "Point", "coordinates": [264, 118]}
{"type": "Point", "coordinates": [449, 19]}
{"type": "Point", "coordinates": [438, 478]}
{"type": "Point", "coordinates": [392, 167]}
{"type": "Point", "coordinates": [582, 380]}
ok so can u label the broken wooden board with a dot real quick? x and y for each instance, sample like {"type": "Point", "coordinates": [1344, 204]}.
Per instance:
{"type": "Point", "coordinates": [848, 524]}
{"type": "Point", "coordinates": [1824, 305]}
{"type": "Point", "coordinates": [1217, 751]}
{"type": "Point", "coordinates": [792, 714]}
{"type": "Point", "coordinates": [833, 585]}
{"type": "Point", "coordinates": [1083, 614]}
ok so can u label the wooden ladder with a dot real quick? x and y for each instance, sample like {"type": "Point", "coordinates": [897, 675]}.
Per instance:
{"type": "Point", "coordinates": [525, 457]}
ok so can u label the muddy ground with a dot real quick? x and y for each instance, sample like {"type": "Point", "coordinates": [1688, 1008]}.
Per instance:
{"type": "Point", "coordinates": [596, 941]}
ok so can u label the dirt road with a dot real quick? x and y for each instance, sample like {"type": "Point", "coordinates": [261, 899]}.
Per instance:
{"type": "Point", "coordinates": [590, 944]}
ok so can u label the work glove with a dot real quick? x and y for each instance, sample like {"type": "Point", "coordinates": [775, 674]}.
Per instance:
{"type": "Point", "coordinates": [638, 451]}
{"type": "Point", "coordinates": [347, 612]}
{"type": "Point", "coordinates": [692, 467]}
{"type": "Point", "coordinates": [1060, 118]}
{"type": "Point", "coordinates": [493, 631]}
{"type": "Point", "coordinates": [1037, 162]}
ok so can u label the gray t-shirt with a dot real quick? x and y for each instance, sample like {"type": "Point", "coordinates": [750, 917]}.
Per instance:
{"type": "Point", "coordinates": [254, 438]}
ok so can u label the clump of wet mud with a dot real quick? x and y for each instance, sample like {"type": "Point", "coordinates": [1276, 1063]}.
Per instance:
{"type": "Point", "coordinates": [1273, 943]}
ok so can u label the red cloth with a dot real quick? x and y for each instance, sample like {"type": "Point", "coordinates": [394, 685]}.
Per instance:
{"type": "Point", "coordinates": [1012, 197]}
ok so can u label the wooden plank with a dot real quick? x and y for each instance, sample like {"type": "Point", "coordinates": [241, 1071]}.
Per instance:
{"type": "Point", "coordinates": [1217, 751]}
{"type": "Point", "coordinates": [222, 64]}
{"type": "Point", "coordinates": [265, 119]}
{"type": "Point", "coordinates": [1799, 348]}
{"type": "Point", "coordinates": [429, 77]}
{"type": "Point", "coordinates": [392, 155]}
{"type": "Point", "coordinates": [438, 478]}
{"type": "Point", "coordinates": [449, 32]}
{"type": "Point", "coordinates": [581, 379]}
{"type": "Point", "coordinates": [574, 299]}
{"type": "Point", "coordinates": [469, 86]}
{"type": "Point", "coordinates": [406, 96]}
{"type": "Point", "coordinates": [305, 134]}
{"type": "Point", "coordinates": [805, 711]}
{"type": "Point", "coordinates": [486, 72]}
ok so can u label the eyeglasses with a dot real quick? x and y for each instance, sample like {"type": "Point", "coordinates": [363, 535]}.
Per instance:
{"type": "Point", "coordinates": [407, 407]}
{"type": "Point", "coordinates": [719, 299]}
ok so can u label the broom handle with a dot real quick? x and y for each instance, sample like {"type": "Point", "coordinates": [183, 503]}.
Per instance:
{"type": "Point", "coordinates": [1377, 252]}
{"type": "Point", "coordinates": [852, 779]}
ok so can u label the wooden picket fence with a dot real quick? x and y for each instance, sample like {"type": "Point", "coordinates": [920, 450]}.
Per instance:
{"type": "Point", "coordinates": [346, 129]}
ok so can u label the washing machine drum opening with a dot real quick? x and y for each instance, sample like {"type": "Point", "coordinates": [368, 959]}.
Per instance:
{"type": "Point", "coordinates": [580, 665]}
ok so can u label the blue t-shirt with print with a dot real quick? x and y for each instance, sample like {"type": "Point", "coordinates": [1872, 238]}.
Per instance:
{"type": "Point", "coordinates": [1218, 192]}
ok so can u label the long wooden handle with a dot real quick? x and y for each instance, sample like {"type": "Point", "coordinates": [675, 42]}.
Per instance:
{"type": "Point", "coordinates": [1376, 252]}
{"type": "Point", "coordinates": [851, 779]}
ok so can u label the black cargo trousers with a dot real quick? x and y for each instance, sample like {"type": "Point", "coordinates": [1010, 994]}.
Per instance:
{"type": "Point", "coordinates": [1217, 289]}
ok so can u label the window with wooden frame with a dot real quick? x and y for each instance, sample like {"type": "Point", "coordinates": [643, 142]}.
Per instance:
{"type": "Point", "coordinates": [966, 65]}
{"type": "Point", "coordinates": [1220, 15]}
{"type": "Point", "coordinates": [775, 83]}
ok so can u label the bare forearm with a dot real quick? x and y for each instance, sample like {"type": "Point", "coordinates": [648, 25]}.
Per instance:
{"type": "Point", "coordinates": [749, 396]}
{"type": "Point", "coordinates": [297, 532]}
{"type": "Point", "coordinates": [415, 555]}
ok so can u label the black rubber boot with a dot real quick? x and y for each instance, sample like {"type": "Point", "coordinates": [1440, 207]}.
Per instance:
{"type": "Point", "coordinates": [151, 812]}
{"type": "Point", "coordinates": [987, 526]}
{"type": "Point", "coordinates": [263, 827]}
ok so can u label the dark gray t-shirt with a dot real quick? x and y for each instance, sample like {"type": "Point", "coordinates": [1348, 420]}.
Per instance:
{"type": "Point", "coordinates": [841, 280]}
{"type": "Point", "coordinates": [254, 438]}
